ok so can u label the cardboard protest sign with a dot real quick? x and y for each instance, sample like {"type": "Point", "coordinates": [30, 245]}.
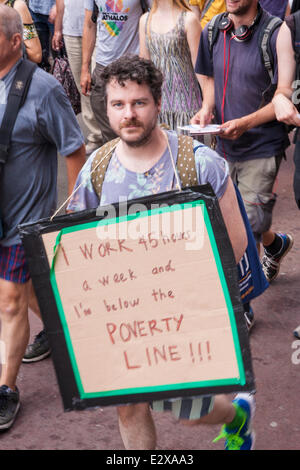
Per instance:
{"type": "Point", "coordinates": [141, 302]}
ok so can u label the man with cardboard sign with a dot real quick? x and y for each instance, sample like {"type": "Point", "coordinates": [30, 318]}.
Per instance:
{"type": "Point", "coordinates": [142, 306]}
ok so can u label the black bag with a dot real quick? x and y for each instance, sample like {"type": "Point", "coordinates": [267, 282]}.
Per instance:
{"type": "Point", "coordinates": [293, 23]}
{"type": "Point", "coordinates": [61, 70]}
{"type": "Point", "coordinates": [295, 6]}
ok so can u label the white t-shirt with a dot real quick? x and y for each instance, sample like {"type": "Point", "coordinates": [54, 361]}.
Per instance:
{"type": "Point", "coordinates": [73, 17]}
{"type": "Point", "coordinates": [118, 25]}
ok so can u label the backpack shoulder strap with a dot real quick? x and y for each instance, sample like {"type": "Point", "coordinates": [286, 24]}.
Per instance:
{"type": "Point", "coordinates": [100, 164]}
{"type": "Point", "coordinates": [206, 8]}
{"type": "Point", "coordinates": [95, 12]}
{"type": "Point", "coordinates": [269, 26]}
{"type": "Point", "coordinates": [15, 100]}
{"type": "Point", "coordinates": [144, 6]}
{"type": "Point", "coordinates": [186, 165]}
{"type": "Point", "coordinates": [213, 30]}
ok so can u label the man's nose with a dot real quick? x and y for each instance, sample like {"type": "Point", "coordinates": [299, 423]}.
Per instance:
{"type": "Point", "coordinates": [129, 111]}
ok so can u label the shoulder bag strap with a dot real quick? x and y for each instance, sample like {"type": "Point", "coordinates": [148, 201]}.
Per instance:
{"type": "Point", "coordinates": [15, 100]}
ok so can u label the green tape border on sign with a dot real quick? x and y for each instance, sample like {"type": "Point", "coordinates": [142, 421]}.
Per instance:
{"type": "Point", "coordinates": [241, 380]}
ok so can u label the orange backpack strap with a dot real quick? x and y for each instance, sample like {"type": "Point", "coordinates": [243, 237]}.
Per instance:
{"type": "Point", "coordinates": [186, 165]}
{"type": "Point", "coordinates": [100, 164]}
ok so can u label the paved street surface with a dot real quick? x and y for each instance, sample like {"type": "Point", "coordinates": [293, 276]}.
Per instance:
{"type": "Point", "coordinates": [42, 423]}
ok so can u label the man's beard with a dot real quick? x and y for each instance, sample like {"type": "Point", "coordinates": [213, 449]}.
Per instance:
{"type": "Point", "coordinates": [143, 138]}
{"type": "Point", "coordinates": [242, 10]}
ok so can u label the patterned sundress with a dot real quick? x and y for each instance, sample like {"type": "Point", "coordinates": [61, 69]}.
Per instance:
{"type": "Point", "coordinates": [170, 52]}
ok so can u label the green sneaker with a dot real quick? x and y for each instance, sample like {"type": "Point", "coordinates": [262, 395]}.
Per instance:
{"type": "Point", "coordinates": [241, 438]}
{"type": "Point", "coordinates": [38, 350]}
{"type": "Point", "coordinates": [9, 406]}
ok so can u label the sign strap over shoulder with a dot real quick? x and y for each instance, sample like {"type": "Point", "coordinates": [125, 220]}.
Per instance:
{"type": "Point", "coordinates": [100, 164]}
{"type": "Point", "coordinates": [186, 166]}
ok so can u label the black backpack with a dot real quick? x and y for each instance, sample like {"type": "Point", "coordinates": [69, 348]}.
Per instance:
{"type": "Point", "coordinates": [270, 25]}
{"type": "Point", "coordinates": [295, 6]}
{"type": "Point", "coordinates": [293, 23]}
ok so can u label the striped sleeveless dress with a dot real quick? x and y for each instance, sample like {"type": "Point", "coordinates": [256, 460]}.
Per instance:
{"type": "Point", "coordinates": [181, 96]}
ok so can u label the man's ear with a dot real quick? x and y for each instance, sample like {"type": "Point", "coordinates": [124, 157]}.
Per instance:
{"type": "Point", "coordinates": [17, 41]}
{"type": "Point", "coordinates": [159, 105]}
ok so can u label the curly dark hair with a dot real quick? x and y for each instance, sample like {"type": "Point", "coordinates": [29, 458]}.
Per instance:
{"type": "Point", "coordinates": [135, 68]}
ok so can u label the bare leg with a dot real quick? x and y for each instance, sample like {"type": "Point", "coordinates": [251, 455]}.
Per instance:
{"type": "Point", "coordinates": [222, 412]}
{"type": "Point", "coordinates": [137, 427]}
{"type": "Point", "coordinates": [14, 328]}
{"type": "Point", "coordinates": [33, 303]}
{"type": "Point", "coordinates": [268, 237]}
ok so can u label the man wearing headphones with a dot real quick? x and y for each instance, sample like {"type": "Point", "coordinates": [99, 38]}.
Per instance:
{"type": "Point", "coordinates": [237, 92]}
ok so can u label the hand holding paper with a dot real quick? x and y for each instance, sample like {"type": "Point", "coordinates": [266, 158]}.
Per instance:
{"type": "Point", "coordinates": [234, 129]}
{"type": "Point", "coordinates": [196, 129]}
{"type": "Point", "coordinates": [203, 117]}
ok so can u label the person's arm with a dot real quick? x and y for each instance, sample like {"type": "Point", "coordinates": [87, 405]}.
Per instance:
{"type": "Point", "coordinates": [205, 72]}
{"type": "Point", "coordinates": [236, 127]}
{"type": "Point", "coordinates": [233, 220]}
{"type": "Point", "coordinates": [206, 113]}
{"type": "Point", "coordinates": [32, 45]}
{"type": "Point", "coordinates": [144, 51]}
{"type": "Point", "coordinates": [196, 10]}
{"type": "Point", "coordinates": [88, 45]}
{"type": "Point", "coordinates": [284, 108]}
{"type": "Point", "coordinates": [58, 25]}
{"type": "Point", "coordinates": [193, 32]}
{"type": "Point", "coordinates": [52, 14]}
{"type": "Point", "coordinates": [213, 169]}
{"type": "Point", "coordinates": [74, 163]}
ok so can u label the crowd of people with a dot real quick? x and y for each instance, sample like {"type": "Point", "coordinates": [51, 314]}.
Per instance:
{"type": "Point", "coordinates": [143, 69]}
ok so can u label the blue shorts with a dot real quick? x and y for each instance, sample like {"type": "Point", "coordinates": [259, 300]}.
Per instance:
{"type": "Point", "coordinates": [13, 264]}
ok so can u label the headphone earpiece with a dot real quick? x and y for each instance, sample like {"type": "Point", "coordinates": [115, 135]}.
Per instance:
{"type": "Point", "coordinates": [243, 33]}
{"type": "Point", "coordinates": [226, 24]}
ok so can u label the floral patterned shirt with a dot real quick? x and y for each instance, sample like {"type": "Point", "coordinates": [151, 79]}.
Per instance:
{"type": "Point", "coordinates": [121, 184]}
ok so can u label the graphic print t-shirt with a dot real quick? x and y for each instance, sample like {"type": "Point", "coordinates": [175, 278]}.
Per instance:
{"type": "Point", "coordinates": [118, 24]}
